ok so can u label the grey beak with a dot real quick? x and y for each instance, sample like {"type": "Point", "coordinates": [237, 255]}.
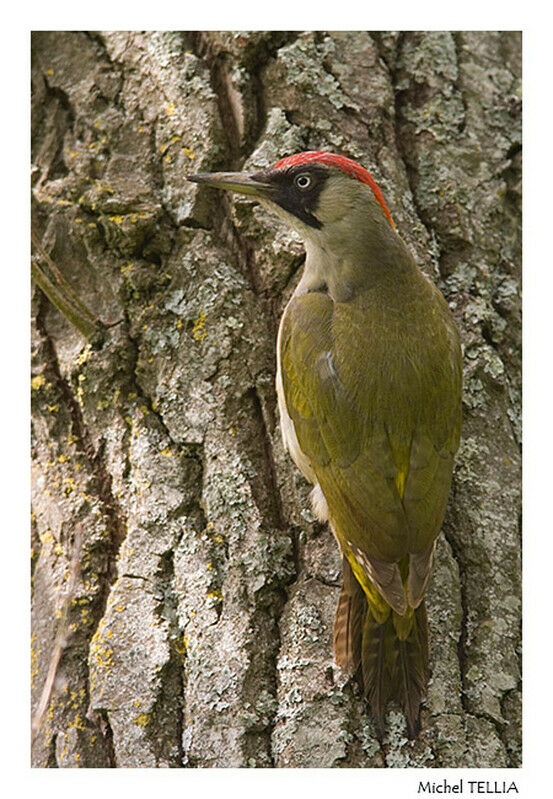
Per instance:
{"type": "Point", "coordinates": [232, 181]}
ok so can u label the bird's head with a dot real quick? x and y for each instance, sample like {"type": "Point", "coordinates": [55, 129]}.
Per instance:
{"type": "Point", "coordinates": [330, 200]}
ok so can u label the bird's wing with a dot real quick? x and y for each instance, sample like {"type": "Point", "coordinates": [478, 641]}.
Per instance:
{"type": "Point", "coordinates": [330, 428]}
{"type": "Point", "coordinates": [381, 453]}
{"type": "Point", "coordinates": [326, 420]}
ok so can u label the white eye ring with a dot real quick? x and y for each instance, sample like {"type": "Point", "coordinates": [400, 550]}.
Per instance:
{"type": "Point", "coordinates": [303, 181]}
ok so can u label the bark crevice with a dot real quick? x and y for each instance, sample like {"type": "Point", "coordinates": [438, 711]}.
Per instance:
{"type": "Point", "coordinates": [202, 623]}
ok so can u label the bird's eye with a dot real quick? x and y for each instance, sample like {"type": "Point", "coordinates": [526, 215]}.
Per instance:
{"type": "Point", "coordinates": [303, 181]}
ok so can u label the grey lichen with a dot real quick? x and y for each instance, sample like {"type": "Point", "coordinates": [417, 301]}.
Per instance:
{"type": "Point", "coordinates": [200, 630]}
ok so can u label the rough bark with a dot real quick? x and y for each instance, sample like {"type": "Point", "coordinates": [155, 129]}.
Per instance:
{"type": "Point", "coordinates": [197, 629]}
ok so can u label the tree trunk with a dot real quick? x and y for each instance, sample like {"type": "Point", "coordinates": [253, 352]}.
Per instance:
{"type": "Point", "coordinates": [183, 593]}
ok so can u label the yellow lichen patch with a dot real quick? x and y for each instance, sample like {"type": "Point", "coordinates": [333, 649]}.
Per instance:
{"type": "Point", "coordinates": [37, 382]}
{"type": "Point", "coordinates": [62, 459]}
{"type": "Point", "coordinates": [69, 485]}
{"type": "Point", "coordinates": [34, 659]}
{"type": "Point", "coordinates": [53, 408]}
{"type": "Point", "coordinates": [142, 720]}
{"type": "Point", "coordinates": [178, 324]}
{"type": "Point", "coordinates": [198, 330]}
{"type": "Point", "coordinates": [170, 110]}
{"type": "Point", "coordinates": [99, 652]}
{"type": "Point", "coordinates": [51, 708]}
{"type": "Point", "coordinates": [117, 219]}
{"type": "Point", "coordinates": [77, 723]}
{"type": "Point", "coordinates": [181, 646]}
{"type": "Point", "coordinates": [49, 72]}
{"type": "Point", "coordinates": [84, 355]}
{"type": "Point", "coordinates": [46, 537]}
{"type": "Point", "coordinates": [189, 152]}
{"type": "Point", "coordinates": [167, 452]}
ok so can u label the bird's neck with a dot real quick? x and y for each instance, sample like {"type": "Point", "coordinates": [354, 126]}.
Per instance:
{"type": "Point", "coordinates": [344, 265]}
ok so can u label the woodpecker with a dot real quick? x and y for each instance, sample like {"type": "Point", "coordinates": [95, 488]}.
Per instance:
{"type": "Point", "coordinates": [369, 376]}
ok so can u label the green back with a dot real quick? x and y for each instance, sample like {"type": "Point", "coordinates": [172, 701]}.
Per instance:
{"type": "Point", "coordinates": [373, 387]}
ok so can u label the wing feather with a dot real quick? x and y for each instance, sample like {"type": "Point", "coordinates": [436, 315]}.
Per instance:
{"type": "Point", "coordinates": [375, 406]}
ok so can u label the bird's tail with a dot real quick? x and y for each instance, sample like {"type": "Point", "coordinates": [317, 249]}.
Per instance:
{"type": "Point", "coordinates": [393, 654]}
{"type": "Point", "coordinates": [395, 663]}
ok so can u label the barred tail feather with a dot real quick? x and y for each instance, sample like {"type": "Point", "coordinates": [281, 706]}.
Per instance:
{"type": "Point", "coordinates": [393, 654]}
{"type": "Point", "coordinates": [412, 673]}
{"type": "Point", "coordinates": [377, 678]}
{"type": "Point", "coordinates": [348, 622]}
{"type": "Point", "coordinates": [393, 668]}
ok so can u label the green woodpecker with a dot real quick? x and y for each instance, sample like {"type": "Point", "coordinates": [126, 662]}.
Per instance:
{"type": "Point", "coordinates": [369, 393]}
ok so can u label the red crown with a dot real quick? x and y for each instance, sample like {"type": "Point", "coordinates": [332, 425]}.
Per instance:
{"type": "Point", "coordinates": [347, 165]}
